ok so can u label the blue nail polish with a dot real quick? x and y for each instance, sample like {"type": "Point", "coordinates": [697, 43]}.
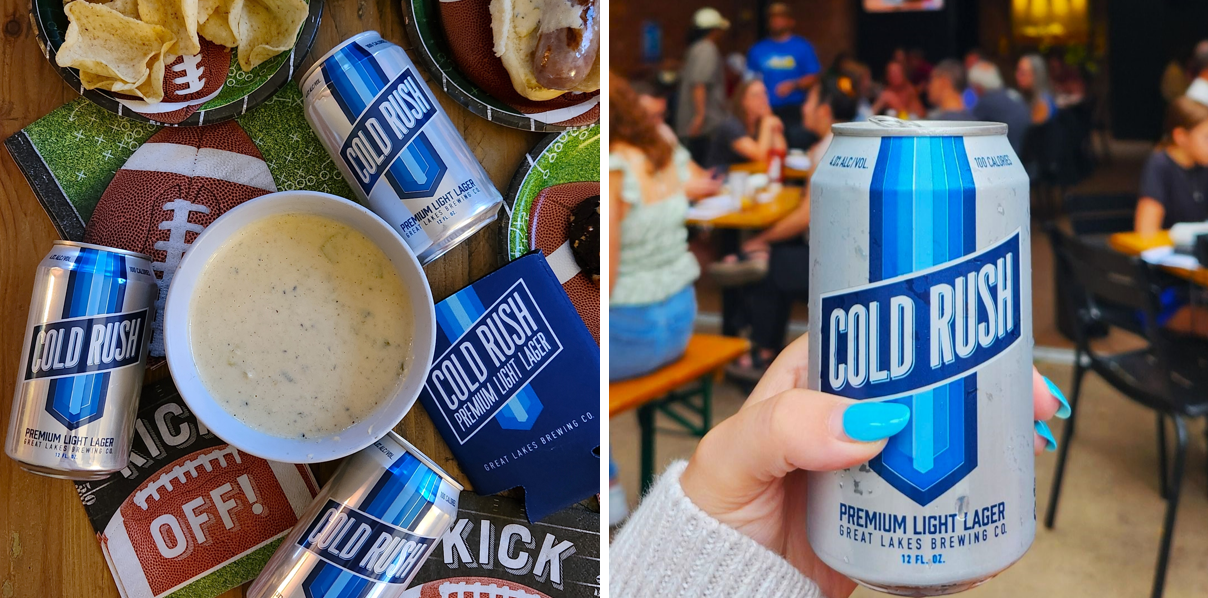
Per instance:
{"type": "Point", "coordinates": [1063, 411]}
{"type": "Point", "coordinates": [1050, 443]}
{"type": "Point", "coordinates": [869, 421]}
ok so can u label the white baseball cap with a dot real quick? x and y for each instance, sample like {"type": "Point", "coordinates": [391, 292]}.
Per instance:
{"type": "Point", "coordinates": [709, 18]}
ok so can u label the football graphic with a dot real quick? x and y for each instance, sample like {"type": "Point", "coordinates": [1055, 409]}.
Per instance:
{"type": "Point", "coordinates": [189, 82]}
{"type": "Point", "coordinates": [170, 189]}
{"type": "Point", "coordinates": [472, 587]}
{"type": "Point", "coordinates": [551, 221]}
{"type": "Point", "coordinates": [183, 521]}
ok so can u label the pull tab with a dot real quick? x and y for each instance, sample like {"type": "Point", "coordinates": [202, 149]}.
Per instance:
{"type": "Point", "coordinates": [892, 122]}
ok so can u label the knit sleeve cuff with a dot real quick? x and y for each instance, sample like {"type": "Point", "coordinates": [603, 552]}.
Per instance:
{"type": "Point", "coordinates": [670, 548]}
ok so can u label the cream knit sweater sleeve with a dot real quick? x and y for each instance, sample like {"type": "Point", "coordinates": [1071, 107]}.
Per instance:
{"type": "Point", "coordinates": [670, 548]}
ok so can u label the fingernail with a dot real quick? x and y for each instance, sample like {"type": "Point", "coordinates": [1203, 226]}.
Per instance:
{"type": "Point", "coordinates": [1064, 411]}
{"type": "Point", "coordinates": [1050, 443]}
{"type": "Point", "coordinates": [870, 421]}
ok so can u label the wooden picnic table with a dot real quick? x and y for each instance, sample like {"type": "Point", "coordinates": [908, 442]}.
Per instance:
{"type": "Point", "coordinates": [681, 390]}
{"type": "Point", "coordinates": [757, 215]}
{"type": "Point", "coordinates": [1134, 244]}
{"type": "Point", "coordinates": [50, 548]}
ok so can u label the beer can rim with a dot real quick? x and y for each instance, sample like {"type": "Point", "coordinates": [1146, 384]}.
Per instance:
{"type": "Point", "coordinates": [395, 436]}
{"type": "Point", "coordinates": [322, 59]}
{"type": "Point", "coordinates": [103, 248]}
{"type": "Point", "coordinates": [897, 128]}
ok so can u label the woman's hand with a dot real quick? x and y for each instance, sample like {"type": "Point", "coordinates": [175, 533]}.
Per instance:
{"type": "Point", "coordinates": [745, 472]}
{"type": "Point", "coordinates": [772, 124]}
{"type": "Point", "coordinates": [704, 184]}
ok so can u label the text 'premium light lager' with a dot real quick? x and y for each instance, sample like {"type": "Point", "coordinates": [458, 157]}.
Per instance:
{"type": "Point", "coordinates": [368, 531]}
{"type": "Point", "coordinates": [82, 362]}
{"type": "Point", "coordinates": [920, 294]}
{"type": "Point", "coordinates": [395, 145]}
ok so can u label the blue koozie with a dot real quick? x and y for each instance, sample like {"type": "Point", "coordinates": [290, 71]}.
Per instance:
{"type": "Point", "coordinates": [515, 387]}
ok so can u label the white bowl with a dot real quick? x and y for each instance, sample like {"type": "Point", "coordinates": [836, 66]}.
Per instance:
{"type": "Point", "coordinates": [228, 427]}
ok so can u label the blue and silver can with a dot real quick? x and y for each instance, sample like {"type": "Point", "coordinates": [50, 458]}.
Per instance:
{"type": "Point", "coordinates": [82, 362]}
{"type": "Point", "coordinates": [395, 145]}
{"type": "Point", "coordinates": [368, 531]}
{"type": "Point", "coordinates": [920, 294]}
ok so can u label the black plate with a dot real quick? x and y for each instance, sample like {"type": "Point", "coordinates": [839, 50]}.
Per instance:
{"type": "Point", "coordinates": [242, 92]}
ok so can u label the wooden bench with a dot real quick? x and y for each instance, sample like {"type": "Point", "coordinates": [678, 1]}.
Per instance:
{"type": "Point", "coordinates": [663, 390]}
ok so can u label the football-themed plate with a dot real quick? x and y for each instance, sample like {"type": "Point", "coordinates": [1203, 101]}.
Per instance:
{"type": "Point", "coordinates": [553, 204]}
{"type": "Point", "coordinates": [480, 83]}
{"type": "Point", "coordinates": [194, 97]}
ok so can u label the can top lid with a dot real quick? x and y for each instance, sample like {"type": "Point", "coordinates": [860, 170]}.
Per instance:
{"type": "Point", "coordinates": [425, 459]}
{"type": "Point", "coordinates": [103, 248]}
{"type": "Point", "coordinates": [888, 126]}
{"type": "Point", "coordinates": [319, 63]}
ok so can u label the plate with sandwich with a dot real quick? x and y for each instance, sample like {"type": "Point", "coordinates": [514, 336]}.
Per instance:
{"type": "Point", "coordinates": [553, 204]}
{"type": "Point", "coordinates": [526, 64]}
{"type": "Point", "coordinates": [171, 63]}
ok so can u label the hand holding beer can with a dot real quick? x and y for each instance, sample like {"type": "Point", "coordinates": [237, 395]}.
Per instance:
{"type": "Point", "coordinates": [922, 297]}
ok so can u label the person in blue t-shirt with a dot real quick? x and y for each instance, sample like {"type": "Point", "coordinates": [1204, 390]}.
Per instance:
{"type": "Point", "coordinates": [786, 62]}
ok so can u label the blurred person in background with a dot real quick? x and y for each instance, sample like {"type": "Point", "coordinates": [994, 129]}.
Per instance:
{"type": "Point", "coordinates": [918, 70]}
{"type": "Point", "coordinates": [899, 98]}
{"type": "Point", "coordinates": [1069, 86]}
{"type": "Point", "coordinates": [944, 91]}
{"type": "Point", "coordinates": [786, 62]}
{"type": "Point", "coordinates": [1032, 78]}
{"type": "Point", "coordinates": [749, 131]}
{"type": "Point", "coordinates": [995, 103]}
{"type": "Point", "coordinates": [1173, 189]}
{"type": "Point", "coordinates": [702, 80]}
{"type": "Point", "coordinates": [651, 303]}
{"type": "Point", "coordinates": [1198, 89]}
{"type": "Point", "coordinates": [1174, 182]}
{"type": "Point", "coordinates": [784, 245]}
{"type": "Point", "coordinates": [972, 57]}
{"type": "Point", "coordinates": [701, 183]}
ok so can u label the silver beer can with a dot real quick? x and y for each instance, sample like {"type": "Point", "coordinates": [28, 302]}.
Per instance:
{"type": "Point", "coordinates": [368, 531]}
{"type": "Point", "coordinates": [82, 362]}
{"type": "Point", "coordinates": [395, 145]}
{"type": "Point", "coordinates": [920, 294]}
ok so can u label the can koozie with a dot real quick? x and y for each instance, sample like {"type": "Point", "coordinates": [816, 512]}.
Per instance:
{"type": "Point", "coordinates": [515, 387]}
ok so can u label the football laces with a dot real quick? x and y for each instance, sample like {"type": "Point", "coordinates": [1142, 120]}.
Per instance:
{"type": "Point", "coordinates": [460, 589]}
{"type": "Point", "coordinates": [174, 249]}
{"type": "Point", "coordinates": [192, 77]}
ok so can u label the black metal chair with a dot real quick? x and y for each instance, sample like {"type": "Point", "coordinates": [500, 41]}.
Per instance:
{"type": "Point", "coordinates": [1092, 218]}
{"type": "Point", "coordinates": [1169, 376]}
{"type": "Point", "coordinates": [1100, 213]}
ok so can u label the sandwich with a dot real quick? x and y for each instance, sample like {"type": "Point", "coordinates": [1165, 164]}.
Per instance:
{"type": "Point", "coordinates": [548, 47]}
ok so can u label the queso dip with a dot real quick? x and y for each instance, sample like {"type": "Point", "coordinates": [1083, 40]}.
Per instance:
{"type": "Point", "coordinates": [300, 326]}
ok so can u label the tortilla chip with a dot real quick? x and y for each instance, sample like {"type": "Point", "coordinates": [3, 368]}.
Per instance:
{"type": "Point", "coordinates": [265, 28]}
{"type": "Point", "coordinates": [177, 16]}
{"type": "Point", "coordinates": [128, 8]}
{"type": "Point", "coordinates": [215, 22]}
{"type": "Point", "coordinates": [111, 46]}
{"type": "Point", "coordinates": [150, 89]}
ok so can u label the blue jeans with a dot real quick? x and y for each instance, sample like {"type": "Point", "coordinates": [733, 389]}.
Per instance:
{"type": "Point", "coordinates": [644, 338]}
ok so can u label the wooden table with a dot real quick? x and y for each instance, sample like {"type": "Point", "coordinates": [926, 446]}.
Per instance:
{"type": "Point", "coordinates": [757, 215]}
{"type": "Point", "coordinates": [668, 390]}
{"type": "Point", "coordinates": [1134, 244]}
{"type": "Point", "coordinates": [49, 547]}
{"type": "Point", "coordinates": [762, 167]}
